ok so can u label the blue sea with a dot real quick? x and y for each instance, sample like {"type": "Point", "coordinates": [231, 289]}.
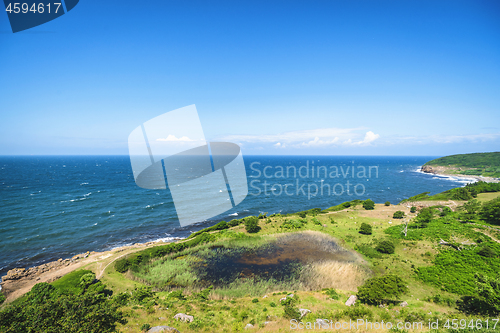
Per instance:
{"type": "Point", "coordinates": [57, 206]}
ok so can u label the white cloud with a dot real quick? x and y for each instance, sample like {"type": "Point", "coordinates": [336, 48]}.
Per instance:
{"type": "Point", "coordinates": [309, 138]}
{"type": "Point", "coordinates": [172, 138]}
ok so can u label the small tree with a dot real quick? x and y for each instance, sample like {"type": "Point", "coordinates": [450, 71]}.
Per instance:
{"type": "Point", "coordinates": [424, 216]}
{"type": "Point", "coordinates": [387, 203]}
{"type": "Point", "coordinates": [385, 247]}
{"type": "Point", "coordinates": [252, 224]}
{"type": "Point", "coordinates": [413, 209]}
{"type": "Point", "coordinates": [491, 211]}
{"type": "Point", "coordinates": [365, 229]}
{"type": "Point", "coordinates": [368, 204]}
{"type": "Point", "coordinates": [379, 289]}
{"type": "Point", "coordinates": [398, 214]}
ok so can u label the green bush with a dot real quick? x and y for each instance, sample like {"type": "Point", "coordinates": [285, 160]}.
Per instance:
{"type": "Point", "coordinates": [398, 214]}
{"type": "Point", "coordinates": [365, 229]}
{"type": "Point", "coordinates": [413, 209]}
{"type": "Point", "coordinates": [46, 309]}
{"type": "Point", "coordinates": [387, 203]}
{"type": "Point", "coordinates": [2, 298]}
{"type": "Point", "coordinates": [487, 298]}
{"type": "Point", "coordinates": [252, 224]}
{"type": "Point", "coordinates": [332, 293]}
{"type": "Point", "coordinates": [272, 304]}
{"type": "Point", "coordinates": [385, 247]}
{"type": "Point", "coordinates": [378, 290]}
{"type": "Point", "coordinates": [255, 300]}
{"type": "Point", "coordinates": [145, 327]}
{"type": "Point", "coordinates": [316, 221]}
{"type": "Point", "coordinates": [491, 211]}
{"type": "Point", "coordinates": [425, 216]}
{"type": "Point", "coordinates": [487, 251]}
{"type": "Point", "coordinates": [290, 310]}
{"type": "Point", "coordinates": [368, 204]}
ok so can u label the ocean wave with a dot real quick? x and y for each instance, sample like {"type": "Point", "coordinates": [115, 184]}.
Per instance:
{"type": "Point", "coordinates": [234, 214]}
{"type": "Point", "coordinates": [84, 183]}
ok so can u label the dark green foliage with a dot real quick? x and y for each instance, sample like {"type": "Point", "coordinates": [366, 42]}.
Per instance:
{"type": "Point", "coordinates": [454, 271]}
{"type": "Point", "coordinates": [272, 304]}
{"type": "Point", "coordinates": [2, 298]}
{"type": "Point", "coordinates": [219, 226]}
{"type": "Point", "coordinates": [316, 221]}
{"type": "Point", "coordinates": [48, 309]}
{"type": "Point", "coordinates": [487, 251]}
{"type": "Point", "coordinates": [385, 247]}
{"type": "Point", "coordinates": [445, 210]}
{"type": "Point", "coordinates": [332, 293]}
{"type": "Point", "coordinates": [387, 203]}
{"type": "Point", "coordinates": [290, 311]}
{"type": "Point", "coordinates": [344, 205]}
{"type": "Point", "coordinates": [413, 209]}
{"type": "Point", "coordinates": [143, 295]}
{"type": "Point", "coordinates": [425, 216]}
{"type": "Point", "coordinates": [293, 224]}
{"type": "Point", "coordinates": [365, 229]}
{"type": "Point", "coordinates": [252, 224]}
{"type": "Point", "coordinates": [145, 327]}
{"type": "Point", "coordinates": [461, 193]}
{"type": "Point", "coordinates": [368, 204]}
{"type": "Point", "coordinates": [486, 299]}
{"type": "Point", "coordinates": [303, 214]}
{"type": "Point", "coordinates": [71, 283]}
{"type": "Point", "coordinates": [235, 222]}
{"type": "Point", "coordinates": [203, 295]}
{"type": "Point", "coordinates": [438, 299]}
{"type": "Point", "coordinates": [144, 256]}
{"type": "Point", "coordinates": [491, 211]}
{"type": "Point", "coordinates": [368, 251]}
{"type": "Point", "coordinates": [121, 299]}
{"type": "Point", "coordinates": [357, 312]}
{"type": "Point", "coordinates": [377, 290]}
{"type": "Point", "coordinates": [255, 300]}
{"type": "Point", "coordinates": [177, 294]}
{"type": "Point", "coordinates": [262, 216]}
{"type": "Point", "coordinates": [398, 214]}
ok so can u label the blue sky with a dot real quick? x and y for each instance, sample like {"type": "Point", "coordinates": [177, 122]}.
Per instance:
{"type": "Point", "coordinates": [277, 77]}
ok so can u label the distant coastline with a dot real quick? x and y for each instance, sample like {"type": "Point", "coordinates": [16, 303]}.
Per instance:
{"type": "Point", "coordinates": [451, 172]}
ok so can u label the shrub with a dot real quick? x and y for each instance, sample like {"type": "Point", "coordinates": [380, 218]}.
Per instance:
{"type": "Point", "coordinates": [255, 300]}
{"type": "Point", "coordinates": [331, 293]}
{"type": "Point", "coordinates": [387, 203]}
{"type": "Point", "coordinates": [491, 211]}
{"type": "Point", "coordinates": [365, 229]}
{"type": "Point", "coordinates": [2, 298]}
{"type": "Point", "coordinates": [316, 221]}
{"type": "Point", "coordinates": [487, 251]}
{"type": "Point", "coordinates": [368, 204]}
{"type": "Point", "coordinates": [398, 214]}
{"type": "Point", "coordinates": [290, 310]}
{"type": "Point", "coordinates": [413, 209]}
{"type": "Point", "coordinates": [424, 216]}
{"type": "Point", "coordinates": [379, 289]}
{"type": "Point", "coordinates": [122, 265]}
{"type": "Point", "coordinates": [145, 327]}
{"type": "Point", "coordinates": [272, 304]}
{"type": "Point", "coordinates": [252, 224]}
{"type": "Point", "coordinates": [385, 247]}
{"type": "Point", "coordinates": [487, 302]}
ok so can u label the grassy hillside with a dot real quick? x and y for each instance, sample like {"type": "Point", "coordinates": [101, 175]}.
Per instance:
{"type": "Point", "coordinates": [478, 164]}
{"type": "Point", "coordinates": [227, 278]}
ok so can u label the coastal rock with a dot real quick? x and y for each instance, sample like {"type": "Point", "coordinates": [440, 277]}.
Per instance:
{"type": "Point", "coordinates": [427, 169]}
{"type": "Point", "coordinates": [184, 317]}
{"type": "Point", "coordinates": [352, 299]}
{"type": "Point", "coordinates": [403, 304]}
{"type": "Point", "coordinates": [303, 312]}
{"type": "Point", "coordinates": [166, 329]}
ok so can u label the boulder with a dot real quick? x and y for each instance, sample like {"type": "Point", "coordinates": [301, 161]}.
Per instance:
{"type": "Point", "coordinates": [248, 326]}
{"type": "Point", "coordinates": [166, 329]}
{"type": "Point", "coordinates": [303, 312]}
{"type": "Point", "coordinates": [352, 299]}
{"type": "Point", "coordinates": [184, 317]}
{"type": "Point", "coordinates": [403, 304]}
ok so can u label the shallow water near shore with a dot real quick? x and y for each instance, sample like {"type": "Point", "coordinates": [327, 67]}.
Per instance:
{"type": "Point", "coordinates": [58, 206]}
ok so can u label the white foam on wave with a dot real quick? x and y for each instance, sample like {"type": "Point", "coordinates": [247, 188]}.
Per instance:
{"type": "Point", "coordinates": [456, 179]}
{"type": "Point", "coordinates": [234, 214]}
{"type": "Point", "coordinates": [84, 183]}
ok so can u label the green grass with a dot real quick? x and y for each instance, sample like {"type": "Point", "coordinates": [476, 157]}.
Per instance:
{"type": "Point", "coordinates": [70, 283]}
{"type": "Point", "coordinates": [485, 164]}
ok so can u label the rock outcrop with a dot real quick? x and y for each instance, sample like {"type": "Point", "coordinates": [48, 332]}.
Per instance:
{"type": "Point", "coordinates": [184, 317]}
{"type": "Point", "coordinates": [427, 169]}
{"type": "Point", "coordinates": [352, 299]}
{"type": "Point", "coordinates": [165, 329]}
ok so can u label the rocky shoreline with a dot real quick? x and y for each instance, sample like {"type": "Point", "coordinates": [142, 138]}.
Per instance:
{"type": "Point", "coordinates": [18, 281]}
{"type": "Point", "coordinates": [450, 172]}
